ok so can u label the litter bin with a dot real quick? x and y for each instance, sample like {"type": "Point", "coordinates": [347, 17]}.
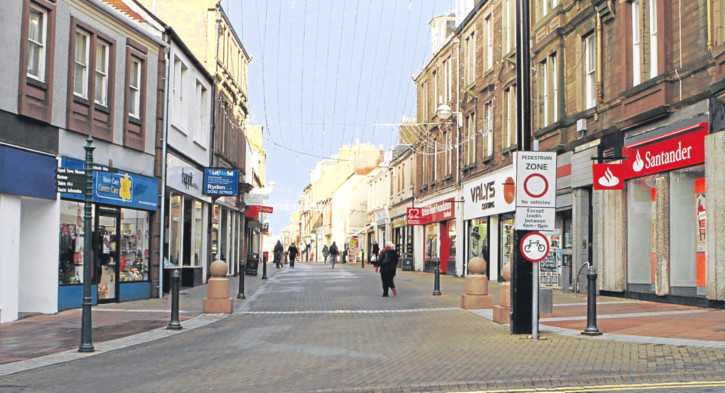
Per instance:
{"type": "Point", "coordinates": [408, 263]}
{"type": "Point", "coordinates": [252, 264]}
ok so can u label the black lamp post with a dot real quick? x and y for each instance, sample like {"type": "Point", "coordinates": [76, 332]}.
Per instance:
{"type": "Point", "coordinates": [86, 320]}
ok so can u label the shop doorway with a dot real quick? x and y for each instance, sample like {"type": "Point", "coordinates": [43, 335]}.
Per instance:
{"type": "Point", "coordinates": [107, 262]}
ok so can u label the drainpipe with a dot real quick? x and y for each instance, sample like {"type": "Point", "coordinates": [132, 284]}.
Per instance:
{"type": "Point", "coordinates": [162, 230]}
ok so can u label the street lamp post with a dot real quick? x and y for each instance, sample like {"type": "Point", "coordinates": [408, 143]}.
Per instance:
{"type": "Point", "coordinates": [86, 320]}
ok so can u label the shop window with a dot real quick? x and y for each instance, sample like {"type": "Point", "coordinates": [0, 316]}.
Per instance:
{"type": "Point", "coordinates": [175, 227]}
{"type": "Point", "coordinates": [451, 240]}
{"type": "Point", "coordinates": [70, 266]}
{"type": "Point", "coordinates": [431, 241]}
{"type": "Point", "coordinates": [687, 230]}
{"type": "Point", "coordinates": [507, 240]}
{"type": "Point", "coordinates": [640, 244]}
{"type": "Point", "coordinates": [198, 254]}
{"type": "Point", "coordinates": [478, 239]}
{"type": "Point", "coordinates": [135, 244]}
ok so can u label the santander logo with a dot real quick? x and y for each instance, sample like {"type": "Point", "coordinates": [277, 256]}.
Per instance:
{"type": "Point", "coordinates": [638, 164]}
{"type": "Point", "coordinates": [608, 180]}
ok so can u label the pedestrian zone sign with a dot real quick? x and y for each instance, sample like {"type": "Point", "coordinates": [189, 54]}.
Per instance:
{"type": "Point", "coordinates": [535, 191]}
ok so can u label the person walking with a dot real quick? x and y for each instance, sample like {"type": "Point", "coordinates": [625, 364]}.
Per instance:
{"type": "Point", "coordinates": [292, 251]}
{"type": "Point", "coordinates": [325, 253]}
{"type": "Point", "coordinates": [278, 254]}
{"type": "Point", "coordinates": [374, 252]}
{"type": "Point", "coordinates": [387, 263]}
{"type": "Point", "coordinates": [334, 252]}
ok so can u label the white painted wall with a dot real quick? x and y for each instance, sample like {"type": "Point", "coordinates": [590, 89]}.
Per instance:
{"type": "Point", "coordinates": [10, 22]}
{"type": "Point", "coordinates": [9, 257]}
{"type": "Point", "coordinates": [38, 256]}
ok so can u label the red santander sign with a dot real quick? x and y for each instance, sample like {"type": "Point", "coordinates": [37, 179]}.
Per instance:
{"type": "Point", "coordinates": [608, 176]}
{"type": "Point", "coordinates": [677, 149]}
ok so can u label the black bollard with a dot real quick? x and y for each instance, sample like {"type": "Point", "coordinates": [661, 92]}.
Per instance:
{"type": "Point", "coordinates": [264, 267]}
{"type": "Point", "coordinates": [591, 329]}
{"type": "Point", "coordinates": [174, 323]}
{"type": "Point", "coordinates": [242, 272]}
{"type": "Point", "coordinates": [362, 262]}
{"type": "Point", "coordinates": [437, 281]}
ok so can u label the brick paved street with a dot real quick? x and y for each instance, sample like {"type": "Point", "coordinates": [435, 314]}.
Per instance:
{"type": "Point", "coordinates": [313, 328]}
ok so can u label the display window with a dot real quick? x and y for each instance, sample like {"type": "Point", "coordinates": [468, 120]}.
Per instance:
{"type": "Point", "coordinates": [134, 245]}
{"type": "Point", "coordinates": [451, 240]}
{"type": "Point", "coordinates": [185, 231]}
{"type": "Point", "coordinates": [641, 199]}
{"type": "Point", "coordinates": [70, 266]}
{"type": "Point", "coordinates": [507, 240]}
{"type": "Point", "coordinates": [431, 241]}
{"type": "Point", "coordinates": [687, 227]}
{"type": "Point", "coordinates": [478, 238]}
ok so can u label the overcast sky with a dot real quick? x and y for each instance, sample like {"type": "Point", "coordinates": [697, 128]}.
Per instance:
{"type": "Point", "coordinates": [325, 73]}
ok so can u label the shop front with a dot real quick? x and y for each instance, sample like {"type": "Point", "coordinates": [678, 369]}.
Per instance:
{"type": "Point", "coordinates": [439, 235]}
{"type": "Point", "coordinates": [488, 206]}
{"type": "Point", "coordinates": [187, 217]}
{"type": "Point", "coordinates": [403, 238]}
{"type": "Point", "coordinates": [226, 232]}
{"type": "Point", "coordinates": [665, 213]}
{"type": "Point", "coordinates": [123, 206]}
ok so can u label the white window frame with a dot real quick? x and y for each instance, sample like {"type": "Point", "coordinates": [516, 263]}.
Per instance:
{"type": "Point", "coordinates": [636, 44]}
{"type": "Point", "coordinates": [471, 58]}
{"type": "Point", "coordinates": [509, 30]}
{"type": "Point", "coordinates": [435, 159]}
{"type": "Point", "coordinates": [42, 44]}
{"type": "Point", "coordinates": [180, 92]}
{"type": "Point", "coordinates": [201, 114]}
{"type": "Point", "coordinates": [135, 89]}
{"type": "Point", "coordinates": [510, 119]}
{"type": "Point", "coordinates": [488, 130]}
{"type": "Point", "coordinates": [590, 70]}
{"type": "Point", "coordinates": [543, 68]}
{"type": "Point", "coordinates": [101, 75]}
{"type": "Point", "coordinates": [82, 66]}
{"type": "Point", "coordinates": [653, 71]}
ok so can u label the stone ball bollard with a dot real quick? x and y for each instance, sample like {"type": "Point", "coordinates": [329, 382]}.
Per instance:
{"type": "Point", "coordinates": [218, 300]}
{"type": "Point", "coordinates": [506, 272]}
{"type": "Point", "coordinates": [476, 296]}
{"type": "Point", "coordinates": [218, 268]}
{"type": "Point", "coordinates": [477, 265]}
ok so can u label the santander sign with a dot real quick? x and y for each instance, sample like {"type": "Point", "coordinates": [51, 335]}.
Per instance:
{"type": "Point", "coordinates": [677, 149]}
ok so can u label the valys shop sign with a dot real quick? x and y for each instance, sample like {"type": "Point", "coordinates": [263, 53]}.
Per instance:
{"type": "Point", "coordinates": [490, 195]}
{"type": "Point", "coordinates": [678, 149]}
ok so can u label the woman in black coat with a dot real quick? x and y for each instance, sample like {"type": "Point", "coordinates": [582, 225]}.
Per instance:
{"type": "Point", "coordinates": [334, 252]}
{"type": "Point", "coordinates": [278, 254]}
{"type": "Point", "coordinates": [387, 263]}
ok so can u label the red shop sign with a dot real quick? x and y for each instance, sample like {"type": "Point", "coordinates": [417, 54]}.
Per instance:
{"type": "Point", "coordinates": [608, 176]}
{"type": "Point", "coordinates": [440, 211]}
{"type": "Point", "coordinates": [413, 216]}
{"type": "Point", "coordinates": [254, 210]}
{"type": "Point", "coordinates": [677, 149]}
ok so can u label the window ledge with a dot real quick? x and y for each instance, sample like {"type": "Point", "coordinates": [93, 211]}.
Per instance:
{"type": "Point", "coordinates": [36, 82]}
{"type": "Point", "coordinates": [507, 150]}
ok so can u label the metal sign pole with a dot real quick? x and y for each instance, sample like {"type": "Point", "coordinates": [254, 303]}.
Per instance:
{"type": "Point", "coordinates": [86, 320]}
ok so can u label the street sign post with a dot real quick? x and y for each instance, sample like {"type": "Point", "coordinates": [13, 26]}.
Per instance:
{"type": "Point", "coordinates": [534, 248]}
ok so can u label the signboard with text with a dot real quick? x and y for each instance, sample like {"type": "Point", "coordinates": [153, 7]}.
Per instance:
{"type": "Point", "coordinates": [490, 195]}
{"type": "Point", "coordinates": [439, 211]}
{"type": "Point", "coordinates": [535, 191]}
{"type": "Point", "coordinates": [220, 181]}
{"type": "Point", "coordinates": [677, 149]}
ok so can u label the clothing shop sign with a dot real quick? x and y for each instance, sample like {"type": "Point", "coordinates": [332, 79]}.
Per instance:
{"type": "Point", "coordinates": [490, 195]}
{"type": "Point", "coordinates": [677, 149]}
{"type": "Point", "coordinates": [220, 181]}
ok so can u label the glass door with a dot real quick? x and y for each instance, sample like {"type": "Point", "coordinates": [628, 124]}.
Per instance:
{"type": "Point", "coordinates": [107, 254]}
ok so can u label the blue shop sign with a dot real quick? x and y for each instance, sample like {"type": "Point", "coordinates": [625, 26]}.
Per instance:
{"type": "Point", "coordinates": [26, 174]}
{"type": "Point", "coordinates": [219, 181]}
{"type": "Point", "coordinates": [116, 187]}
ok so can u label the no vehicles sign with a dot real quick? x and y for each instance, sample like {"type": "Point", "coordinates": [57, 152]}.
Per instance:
{"type": "Point", "coordinates": [535, 191]}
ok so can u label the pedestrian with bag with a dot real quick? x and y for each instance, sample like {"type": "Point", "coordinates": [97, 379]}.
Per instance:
{"type": "Point", "coordinates": [334, 252]}
{"type": "Point", "coordinates": [374, 252]}
{"type": "Point", "coordinates": [278, 254]}
{"type": "Point", "coordinates": [387, 263]}
{"type": "Point", "coordinates": [292, 251]}
{"type": "Point", "coordinates": [325, 253]}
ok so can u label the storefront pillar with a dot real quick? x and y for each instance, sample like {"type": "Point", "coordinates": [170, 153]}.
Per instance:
{"type": "Point", "coordinates": [608, 239]}
{"type": "Point", "coordinates": [715, 215]}
{"type": "Point", "coordinates": [662, 236]}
